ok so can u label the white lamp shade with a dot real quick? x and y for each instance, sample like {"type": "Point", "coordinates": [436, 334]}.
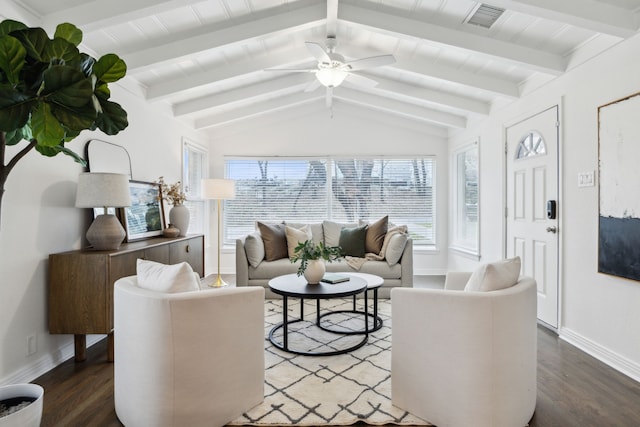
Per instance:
{"type": "Point", "coordinates": [102, 190]}
{"type": "Point", "coordinates": [220, 189]}
{"type": "Point", "coordinates": [331, 77]}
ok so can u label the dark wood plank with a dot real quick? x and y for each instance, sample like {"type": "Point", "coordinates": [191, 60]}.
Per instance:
{"type": "Point", "coordinates": [574, 389]}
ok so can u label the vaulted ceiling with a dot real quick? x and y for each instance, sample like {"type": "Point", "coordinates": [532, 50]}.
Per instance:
{"type": "Point", "coordinates": [205, 60]}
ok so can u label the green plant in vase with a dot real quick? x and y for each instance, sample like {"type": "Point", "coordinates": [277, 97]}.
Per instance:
{"type": "Point", "coordinates": [309, 253]}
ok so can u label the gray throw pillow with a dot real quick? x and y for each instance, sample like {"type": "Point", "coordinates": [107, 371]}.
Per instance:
{"type": "Point", "coordinates": [275, 241]}
{"type": "Point", "coordinates": [254, 247]}
{"type": "Point", "coordinates": [395, 249]}
{"type": "Point", "coordinates": [352, 241]}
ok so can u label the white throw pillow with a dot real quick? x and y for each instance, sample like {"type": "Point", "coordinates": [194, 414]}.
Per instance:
{"type": "Point", "coordinates": [166, 278]}
{"type": "Point", "coordinates": [332, 231]}
{"type": "Point", "coordinates": [495, 276]}
{"type": "Point", "coordinates": [395, 248]}
{"type": "Point", "coordinates": [254, 247]}
{"type": "Point", "coordinates": [296, 236]}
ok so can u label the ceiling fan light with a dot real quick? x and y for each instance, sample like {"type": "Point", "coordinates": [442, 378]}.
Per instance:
{"type": "Point", "coordinates": [331, 77]}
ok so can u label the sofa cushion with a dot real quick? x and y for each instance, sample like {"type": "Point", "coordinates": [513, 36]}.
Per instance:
{"type": "Point", "coordinates": [375, 235]}
{"type": "Point", "coordinates": [395, 248]}
{"type": "Point", "coordinates": [275, 241]}
{"type": "Point", "coordinates": [165, 278]}
{"type": "Point", "coordinates": [352, 241]}
{"type": "Point", "coordinates": [296, 236]}
{"type": "Point", "coordinates": [332, 231]}
{"type": "Point", "coordinates": [317, 234]}
{"type": "Point", "coordinates": [254, 247]}
{"type": "Point", "coordinates": [495, 276]}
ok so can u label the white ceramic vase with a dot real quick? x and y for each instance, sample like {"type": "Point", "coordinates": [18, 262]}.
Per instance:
{"type": "Point", "coordinates": [314, 271]}
{"type": "Point", "coordinates": [29, 416]}
{"type": "Point", "coordinates": [179, 218]}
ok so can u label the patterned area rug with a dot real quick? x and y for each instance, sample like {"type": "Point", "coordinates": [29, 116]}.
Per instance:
{"type": "Point", "coordinates": [327, 390]}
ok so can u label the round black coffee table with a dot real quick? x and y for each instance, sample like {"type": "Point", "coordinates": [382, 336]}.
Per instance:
{"type": "Point", "coordinates": [294, 286]}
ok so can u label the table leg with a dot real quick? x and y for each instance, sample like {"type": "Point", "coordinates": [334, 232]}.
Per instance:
{"type": "Point", "coordinates": [285, 327]}
{"type": "Point", "coordinates": [366, 314]}
{"type": "Point", "coordinates": [110, 347]}
{"type": "Point", "coordinates": [354, 303]}
{"type": "Point", "coordinates": [301, 309]}
{"type": "Point", "coordinates": [375, 308]}
{"type": "Point", "coordinates": [318, 312]}
{"type": "Point", "coordinates": [80, 347]}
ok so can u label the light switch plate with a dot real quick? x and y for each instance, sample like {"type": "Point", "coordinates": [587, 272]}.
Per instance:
{"type": "Point", "coordinates": [586, 179]}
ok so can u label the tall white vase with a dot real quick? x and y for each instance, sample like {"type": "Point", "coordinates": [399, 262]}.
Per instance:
{"type": "Point", "coordinates": [179, 217]}
{"type": "Point", "coordinates": [29, 416]}
{"type": "Point", "coordinates": [314, 271]}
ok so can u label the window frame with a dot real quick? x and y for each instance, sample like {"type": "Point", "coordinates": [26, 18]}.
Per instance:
{"type": "Point", "coordinates": [460, 244]}
{"type": "Point", "coordinates": [194, 200]}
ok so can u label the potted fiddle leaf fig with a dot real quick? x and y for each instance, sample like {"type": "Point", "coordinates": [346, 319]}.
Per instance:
{"type": "Point", "coordinates": [311, 258]}
{"type": "Point", "coordinates": [50, 92]}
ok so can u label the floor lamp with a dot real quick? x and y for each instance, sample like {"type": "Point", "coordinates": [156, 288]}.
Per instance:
{"type": "Point", "coordinates": [218, 189]}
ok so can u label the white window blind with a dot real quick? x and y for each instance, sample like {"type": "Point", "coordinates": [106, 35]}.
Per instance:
{"type": "Point", "coordinates": [344, 190]}
{"type": "Point", "coordinates": [194, 164]}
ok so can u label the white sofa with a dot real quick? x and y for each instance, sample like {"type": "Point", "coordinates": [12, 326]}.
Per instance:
{"type": "Point", "coordinates": [465, 358]}
{"type": "Point", "coordinates": [394, 274]}
{"type": "Point", "coordinates": [188, 358]}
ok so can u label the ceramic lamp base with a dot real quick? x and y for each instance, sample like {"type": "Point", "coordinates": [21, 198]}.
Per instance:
{"type": "Point", "coordinates": [105, 233]}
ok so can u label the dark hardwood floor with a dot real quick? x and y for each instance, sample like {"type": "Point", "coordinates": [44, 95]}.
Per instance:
{"type": "Point", "coordinates": [574, 389]}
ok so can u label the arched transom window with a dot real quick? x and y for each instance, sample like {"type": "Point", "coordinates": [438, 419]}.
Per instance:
{"type": "Point", "coordinates": [530, 145]}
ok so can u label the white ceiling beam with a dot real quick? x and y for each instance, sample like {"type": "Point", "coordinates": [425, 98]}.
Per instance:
{"type": "Point", "coordinates": [233, 70]}
{"type": "Point", "coordinates": [255, 110]}
{"type": "Point", "coordinates": [417, 94]}
{"type": "Point", "coordinates": [401, 108]}
{"type": "Point", "coordinates": [20, 12]}
{"type": "Point", "coordinates": [211, 37]}
{"type": "Point", "coordinates": [589, 14]}
{"type": "Point", "coordinates": [244, 94]}
{"type": "Point", "coordinates": [97, 14]}
{"type": "Point", "coordinates": [332, 18]}
{"type": "Point", "coordinates": [398, 26]}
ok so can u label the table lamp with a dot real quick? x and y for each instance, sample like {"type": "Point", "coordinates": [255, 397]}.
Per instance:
{"type": "Point", "coordinates": [104, 190]}
{"type": "Point", "coordinates": [218, 189]}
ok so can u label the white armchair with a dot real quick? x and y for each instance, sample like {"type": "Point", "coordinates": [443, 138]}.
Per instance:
{"type": "Point", "coordinates": [465, 358]}
{"type": "Point", "coordinates": [189, 358]}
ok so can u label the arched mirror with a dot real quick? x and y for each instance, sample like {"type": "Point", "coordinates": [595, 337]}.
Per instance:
{"type": "Point", "coordinates": [103, 156]}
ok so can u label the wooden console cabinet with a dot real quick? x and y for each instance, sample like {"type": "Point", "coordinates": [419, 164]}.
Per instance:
{"type": "Point", "coordinates": [81, 283]}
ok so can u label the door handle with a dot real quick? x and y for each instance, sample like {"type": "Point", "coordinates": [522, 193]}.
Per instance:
{"type": "Point", "coordinates": [552, 229]}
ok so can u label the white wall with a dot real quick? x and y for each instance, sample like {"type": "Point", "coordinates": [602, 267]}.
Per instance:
{"type": "Point", "coordinates": [39, 218]}
{"type": "Point", "coordinates": [599, 313]}
{"type": "Point", "coordinates": [310, 131]}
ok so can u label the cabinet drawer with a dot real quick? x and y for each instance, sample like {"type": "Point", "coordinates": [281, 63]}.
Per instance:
{"type": "Point", "coordinates": [191, 251]}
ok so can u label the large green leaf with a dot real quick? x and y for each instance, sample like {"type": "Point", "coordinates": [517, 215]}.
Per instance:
{"type": "Point", "coordinates": [12, 55]}
{"type": "Point", "coordinates": [9, 25]}
{"type": "Point", "coordinates": [67, 86]}
{"type": "Point", "coordinates": [47, 130]}
{"type": "Point", "coordinates": [13, 137]}
{"type": "Point", "coordinates": [75, 119]}
{"type": "Point", "coordinates": [34, 41]}
{"type": "Point", "coordinates": [110, 68]}
{"type": "Point", "coordinates": [15, 108]}
{"type": "Point", "coordinates": [53, 151]}
{"type": "Point", "coordinates": [68, 32]}
{"type": "Point", "coordinates": [113, 118]}
{"type": "Point", "coordinates": [62, 50]}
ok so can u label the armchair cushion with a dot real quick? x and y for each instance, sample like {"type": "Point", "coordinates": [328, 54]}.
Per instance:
{"type": "Point", "coordinates": [495, 276]}
{"type": "Point", "coordinates": [158, 277]}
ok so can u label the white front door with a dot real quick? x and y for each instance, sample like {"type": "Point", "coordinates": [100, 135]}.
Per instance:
{"type": "Point", "coordinates": [532, 192]}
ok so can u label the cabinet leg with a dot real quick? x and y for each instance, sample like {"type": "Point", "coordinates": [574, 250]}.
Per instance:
{"type": "Point", "coordinates": [110, 347]}
{"type": "Point", "coordinates": [80, 341]}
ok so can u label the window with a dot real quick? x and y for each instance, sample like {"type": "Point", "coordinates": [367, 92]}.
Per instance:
{"type": "Point", "coordinates": [194, 164]}
{"type": "Point", "coordinates": [344, 190]}
{"type": "Point", "coordinates": [465, 200]}
{"type": "Point", "coordinates": [530, 145]}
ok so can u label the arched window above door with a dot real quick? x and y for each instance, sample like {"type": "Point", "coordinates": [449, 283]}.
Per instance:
{"type": "Point", "coordinates": [531, 144]}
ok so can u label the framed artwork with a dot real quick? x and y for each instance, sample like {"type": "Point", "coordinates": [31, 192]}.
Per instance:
{"type": "Point", "coordinates": [100, 211]}
{"type": "Point", "coordinates": [619, 197]}
{"type": "Point", "coordinates": [145, 217]}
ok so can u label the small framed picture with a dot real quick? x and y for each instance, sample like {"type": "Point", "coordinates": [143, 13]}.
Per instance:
{"type": "Point", "coordinates": [100, 211]}
{"type": "Point", "coordinates": [145, 217]}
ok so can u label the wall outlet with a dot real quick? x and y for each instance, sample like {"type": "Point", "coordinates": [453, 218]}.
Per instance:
{"type": "Point", "coordinates": [586, 179]}
{"type": "Point", "coordinates": [32, 344]}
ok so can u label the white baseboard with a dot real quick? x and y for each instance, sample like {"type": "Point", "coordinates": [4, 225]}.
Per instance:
{"type": "Point", "coordinates": [429, 271]}
{"type": "Point", "coordinates": [46, 362]}
{"type": "Point", "coordinates": [603, 354]}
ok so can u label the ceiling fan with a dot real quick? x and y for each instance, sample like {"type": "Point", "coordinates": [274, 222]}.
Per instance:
{"type": "Point", "coordinates": [332, 69]}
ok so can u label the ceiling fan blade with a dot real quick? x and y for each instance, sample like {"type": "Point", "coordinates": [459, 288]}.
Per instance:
{"type": "Point", "coordinates": [293, 70]}
{"type": "Point", "coordinates": [318, 52]}
{"type": "Point", "coordinates": [362, 81]}
{"type": "Point", "coordinates": [329, 97]}
{"type": "Point", "coordinates": [315, 84]}
{"type": "Point", "coordinates": [370, 62]}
